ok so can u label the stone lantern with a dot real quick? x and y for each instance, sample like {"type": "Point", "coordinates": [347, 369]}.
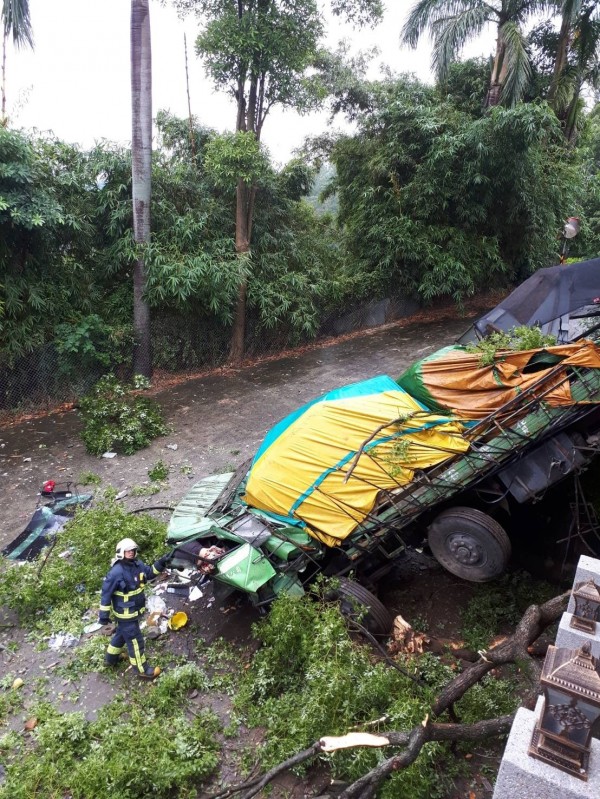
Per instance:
{"type": "Point", "coordinates": [571, 710]}
{"type": "Point", "coordinates": [587, 607]}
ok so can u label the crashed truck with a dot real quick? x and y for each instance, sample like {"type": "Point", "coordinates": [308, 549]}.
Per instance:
{"type": "Point", "coordinates": [342, 486]}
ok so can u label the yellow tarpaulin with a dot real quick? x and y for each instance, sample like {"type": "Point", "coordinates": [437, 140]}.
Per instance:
{"type": "Point", "coordinates": [300, 471]}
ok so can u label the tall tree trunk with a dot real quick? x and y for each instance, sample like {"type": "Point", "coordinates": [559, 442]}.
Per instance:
{"type": "Point", "coordinates": [564, 40]}
{"type": "Point", "coordinates": [190, 118]}
{"type": "Point", "coordinates": [141, 165]}
{"type": "Point", "coordinates": [572, 113]}
{"type": "Point", "coordinates": [243, 230]}
{"type": "Point", "coordinates": [498, 73]}
{"type": "Point", "coordinates": [4, 120]}
{"type": "Point", "coordinates": [244, 213]}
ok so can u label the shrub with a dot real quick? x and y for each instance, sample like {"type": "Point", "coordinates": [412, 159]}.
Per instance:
{"type": "Point", "coordinates": [158, 472]}
{"type": "Point", "coordinates": [116, 418]}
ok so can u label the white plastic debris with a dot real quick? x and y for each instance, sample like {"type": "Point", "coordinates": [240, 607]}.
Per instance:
{"type": "Point", "coordinates": [156, 624]}
{"type": "Point", "coordinates": [155, 604]}
{"type": "Point", "coordinates": [62, 640]}
{"type": "Point", "coordinates": [109, 454]}
{"type": "Point", "coordinates": [93, 627]}
{"type": "Point", "coordinates": [26, 460]}
{"type": "Point", "coordinates": [121, 494]}
{"type": "Point", "coordinates": [195, 593]}
{"type": "Point", "coordinates": [172, 446]}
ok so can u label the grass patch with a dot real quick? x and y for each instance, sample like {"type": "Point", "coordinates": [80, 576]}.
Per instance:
{"type": "Point", "coordinates": [497, 607]}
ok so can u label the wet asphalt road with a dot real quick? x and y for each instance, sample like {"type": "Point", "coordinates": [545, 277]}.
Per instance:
{"type": "Point", "coordinates": [217, 421]}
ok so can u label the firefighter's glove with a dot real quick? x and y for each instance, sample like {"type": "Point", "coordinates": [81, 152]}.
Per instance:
{"type": "Point", "coordinates": [162, 563]}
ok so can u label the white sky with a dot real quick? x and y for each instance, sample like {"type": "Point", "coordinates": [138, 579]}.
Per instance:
{"type": "Point", "coordinates": [76, 82]}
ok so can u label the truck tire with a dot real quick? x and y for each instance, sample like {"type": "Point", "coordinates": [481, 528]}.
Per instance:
{"type": "Point", "coordinates": [469, 544]}
{"type": "Point", "coordinates": [353, 597]}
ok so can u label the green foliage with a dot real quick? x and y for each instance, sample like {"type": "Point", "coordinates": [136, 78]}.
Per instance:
{"type": "Point", "coordinates": [160, 471]}
{"type": "Point", "coordinates": [89, 479]}
{"type": "Point", "coordinates": [145, 748]}
{"type": "Point", "coordinates": [146, 490]}
{"type": "Point", "coordinates": [498, 606]}
{"type": "Point", "coordinates": [488, 699]}
{"type": "Point", "coordinates": [53, 596]}
{"type": "Point", "coordinates": [427, 210]}
{"type": "Point", "coordinates": [91, 341]}
{"type": "Point", "coordinates": [310, 679]}
{"type": "Point", "coordinates": [516, 339]}
{"type": "Point", "coordinates": [235, 156]}
{"type": "Point", "coordinates": [11, 700]}
{"type": "Point", "coordinates": [116, 418]}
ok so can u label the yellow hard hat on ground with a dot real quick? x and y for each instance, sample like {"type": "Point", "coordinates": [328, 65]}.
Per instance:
{"type": "Point", "coordinates": [178, 620]}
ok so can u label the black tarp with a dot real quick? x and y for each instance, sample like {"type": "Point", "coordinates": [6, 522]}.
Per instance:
{"type": "Point", "coordinates": [548, 295]}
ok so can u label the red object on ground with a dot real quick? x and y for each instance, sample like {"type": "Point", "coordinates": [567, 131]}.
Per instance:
{"type": "Point", "coordinates": [48, 487]}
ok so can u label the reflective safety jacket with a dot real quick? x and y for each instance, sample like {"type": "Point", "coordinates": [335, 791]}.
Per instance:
{"type": "Point", "coordinates": [123, 589]}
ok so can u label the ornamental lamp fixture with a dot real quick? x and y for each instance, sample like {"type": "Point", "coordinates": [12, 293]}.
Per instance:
{"type": "Point", "coordinates": [570, 230]}
{"type": "Point", "coordinates": [587, 607]}
{"type": "Point", "coordinates": [570, 712]}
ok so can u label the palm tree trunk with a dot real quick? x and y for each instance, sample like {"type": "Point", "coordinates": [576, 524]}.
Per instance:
{"type": "Point", "coordinates": [498, 73]}
{"type": "Point", "coordinates": [560, 63]}
{"type": "Point", "coordinates": [4, 120]}
{"type": "Point", "coordinates": [573, 113]}
{"type": "Point", "coordinates": [141, 166]}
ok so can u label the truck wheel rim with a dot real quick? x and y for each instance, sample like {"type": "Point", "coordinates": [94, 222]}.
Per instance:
{"type": "Point", "coordinates": [465, 549]}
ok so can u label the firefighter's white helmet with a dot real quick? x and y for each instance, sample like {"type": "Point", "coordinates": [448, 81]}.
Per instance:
{"type": "Point", "coordinates": [125, 545]}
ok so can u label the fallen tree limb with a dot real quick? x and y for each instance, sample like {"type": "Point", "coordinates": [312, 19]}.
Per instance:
{"type": "Point", "coordinates": [513, 650]}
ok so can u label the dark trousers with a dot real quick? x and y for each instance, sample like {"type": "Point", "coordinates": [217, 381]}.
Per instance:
{"type": "Point", "coordinates": [127, 634]}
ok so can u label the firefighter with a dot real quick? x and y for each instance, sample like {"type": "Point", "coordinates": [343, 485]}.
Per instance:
{"type": "Point", "coordinates": [123, 593]}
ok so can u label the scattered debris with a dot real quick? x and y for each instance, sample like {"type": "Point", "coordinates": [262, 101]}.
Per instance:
{"type": "Point", "coordinates": [405, 638]}
{"type": "Point", "coordinates": [109, 455]}
{"type": "Point", "coordinates": [121, 494]}
{"type": "Point", "coordinates": [30, 724]}
{"type": "Point", "coordinates": [195, 594]}
{"type": "Point", "coordinates": [17, 683]}
{"type": "Point", "coordinates": [59, 640]}
{"type": "Point", "coordinates": [172, 446]}
{"type": "Point", "coordinates": [93, 627]}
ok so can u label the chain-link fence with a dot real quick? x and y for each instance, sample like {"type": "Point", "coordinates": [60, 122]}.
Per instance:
{"type": "Point", "coordinates": [47, 378]}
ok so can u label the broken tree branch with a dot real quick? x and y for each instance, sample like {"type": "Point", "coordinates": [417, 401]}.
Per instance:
{"type": "Point", "coordinates": [513, 650]}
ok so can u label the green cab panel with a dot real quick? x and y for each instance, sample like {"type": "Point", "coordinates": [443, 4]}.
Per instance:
{"type": "Point", "coordinates": [189, 517]}
{"type": "Point", "coordinates": [295, 539]}
{"type": "Point", "coordinates": [287, 584]}
{"type": "Point", "coordinates": [245, 568]}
